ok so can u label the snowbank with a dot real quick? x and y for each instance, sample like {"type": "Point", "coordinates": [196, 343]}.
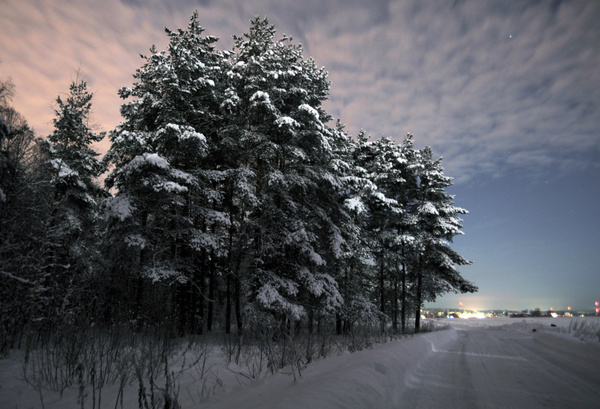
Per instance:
{"type": "Point", "coordinates": [369, 378]}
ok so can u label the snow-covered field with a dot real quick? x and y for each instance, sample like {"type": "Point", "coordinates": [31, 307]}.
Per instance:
{"type": "Point", "coordinates": [492, 362]}
{"type": "Point", "coordinates": [584, 329]}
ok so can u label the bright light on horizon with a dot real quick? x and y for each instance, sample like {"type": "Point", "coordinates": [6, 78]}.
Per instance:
{"type": "Point", "coordinates": [477, 302]}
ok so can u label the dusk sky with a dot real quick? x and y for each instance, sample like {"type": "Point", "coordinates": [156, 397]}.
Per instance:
{"type": "Point", "coordinates": [508, 92]}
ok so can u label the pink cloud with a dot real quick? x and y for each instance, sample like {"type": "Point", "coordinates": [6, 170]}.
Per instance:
{"type": "Point", "coordinates": [449, 74]}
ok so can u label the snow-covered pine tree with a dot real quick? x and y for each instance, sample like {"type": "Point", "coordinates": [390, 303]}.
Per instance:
{"type": "Point", "coordinates": [437, 222]}
{"type": "Point", "coordinates": [406, 227]}
{"type": "Point", "coordinates": [166, 188]}
{"type": "Point", "coordinates": [387, 169]}
{"type": "Point", "coordinates": [21, 218]}
{"type": "Point", "coordinates": [388, 174]}
{"type": "Point", "coordinates": [357, 277]}
{"type": "Point", "coordinates": [69, 239]}
{"type": "Point", "coordinates": [278, 123]}
{"type": "Point", "coordinates": [340, 241]}
{"type": "Point", "coordinates": [16, 140]}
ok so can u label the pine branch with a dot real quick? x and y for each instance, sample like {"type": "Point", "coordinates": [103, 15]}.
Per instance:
{"type": "Point", "coordinates": [19, 279]}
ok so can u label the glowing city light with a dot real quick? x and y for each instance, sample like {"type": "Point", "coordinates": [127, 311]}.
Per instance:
{"type": "Point", "coordinates": [569, 308]}
{"type": "Point", "coordinates": [596, 303]}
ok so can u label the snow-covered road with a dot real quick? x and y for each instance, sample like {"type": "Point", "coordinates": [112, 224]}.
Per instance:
{"type": "Point", "coordinates": [463, 367]}
{"type": "Point", "coordinates": [495, 368]}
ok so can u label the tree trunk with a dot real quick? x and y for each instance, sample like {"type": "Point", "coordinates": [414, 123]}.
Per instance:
{"type": "Point", "coordinates": [199, 299]}
{"type": "Point", "coordinates": [381, 289]}
{"type": "Point", "coordinates": [382, 294]}
{"type": "Point", "coordinates": [228, 306]}
{"type": "Point", "coordinates": [403, 312]}
{"type": "Point", "coordinates": [238, 306]}
{"type": "Point", "coordinates": [211, 298]}
{"type": "Point", "coordinates": [418, 306]}
{"type": "Point", "coordinates": [395, 312]}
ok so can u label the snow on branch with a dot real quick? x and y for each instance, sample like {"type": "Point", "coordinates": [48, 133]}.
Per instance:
{"type": "Point", "coordinates": [119, 207]}
{"type": "Point", "coordinates": [148, 159]}
{"type": "Point", "coordinates": [19, 279]}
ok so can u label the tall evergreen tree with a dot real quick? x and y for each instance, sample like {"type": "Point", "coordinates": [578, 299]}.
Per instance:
{"type": "Point", "coordinates": [357, 277]}
{"type": "Point", "coordinates": [21, 215]}
{"type": "Point", "coordinates": [279, 124]}
{"type": "Point", "coordinates": [166, 201]}
{"type": "Point", "coordinates": [386, 225]}
{"type": "Point", "coordinates": [72, 166]}
{"type": "Point", "coordinates": [437, 222]}
{"type": "Point", "coordinates": [406, 226]}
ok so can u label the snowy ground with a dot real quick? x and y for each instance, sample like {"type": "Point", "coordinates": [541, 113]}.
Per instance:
{"type": "Point", "coordinates": [488, 363]}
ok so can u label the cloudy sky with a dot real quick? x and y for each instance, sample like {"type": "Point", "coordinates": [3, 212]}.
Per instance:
{"type": "Point", "coordinates": [508, 92]}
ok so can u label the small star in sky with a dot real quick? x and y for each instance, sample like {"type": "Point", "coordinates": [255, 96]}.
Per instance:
{"type": "Point", "coordinates": [510, 36]}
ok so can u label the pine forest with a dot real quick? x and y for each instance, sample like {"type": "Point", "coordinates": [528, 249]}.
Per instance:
{"type": "Point", "coordinates": [230, 204]}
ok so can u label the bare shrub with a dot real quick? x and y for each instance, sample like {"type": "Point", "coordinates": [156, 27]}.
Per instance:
{"type": "Point", "coordinates": [88, 359]}
{"type": "Point", "coordinates": [584, 329]}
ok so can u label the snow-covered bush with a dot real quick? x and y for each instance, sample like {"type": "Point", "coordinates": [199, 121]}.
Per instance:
{"type": "Point", "coordinates": [584, 329]}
